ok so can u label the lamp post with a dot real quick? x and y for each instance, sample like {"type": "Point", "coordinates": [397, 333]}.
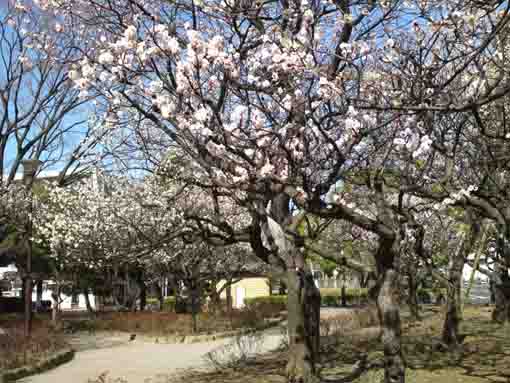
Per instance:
{"type": "Point", "coordinates": [30, 168]}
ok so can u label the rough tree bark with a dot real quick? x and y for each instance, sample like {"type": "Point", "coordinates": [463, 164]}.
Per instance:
{"type": "Point", "coordinates": [413, 303]}
{"type": "Point", "coordinates": [501, 279]}
{"type": "Point", "coordinates": [501, 291]}
{"type": "Point", "coordinates": [228, 292]}
{"type": "Point", "coordinates": [450, 335]}
{"type": "Point", "coordinates": [303, 297]}
{"type": "Point", "coordinates": [387, 260]}
{"type": "Point", "coordinates": [303, 307]}
{"type": "Point", "coordinates": [39, 295]}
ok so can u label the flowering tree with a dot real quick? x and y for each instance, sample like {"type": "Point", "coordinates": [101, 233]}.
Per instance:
{"type": "Point", "coordinates": [274, 102]}
{"type": "Point", "coordinates": [41, 114]}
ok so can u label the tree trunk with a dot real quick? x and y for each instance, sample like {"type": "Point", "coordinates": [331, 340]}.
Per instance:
{"type": "Point", "coordinates": [143, 291]}
{"type": "Point", "coordinates": [501, 279]}
{"type": "Point", "coordinates": [173, 285]}
{"type": "Point", "coordinates": [194, 296]}
{"type": "Point", "coordinates": [215, 302]}
{"type": "Point", "coordinates": [343, 297]}
{"type": "Point", "coordinates": [28, 306]}
{"type": "Point", "coordinates": [228, 292]}
{"type": "Point", "coordinates": [501, 291]}
{"type": "Point", "coordinates": [303, 306]}
{"type": "Point", "coordinates": [56, 302]}
{"type": "Point", "coordinates": [414, 305]}
{"type": "Point", "coordinates": [23, 290]}
{"type": "Point", "coordinates": [453, 317]}
{"type": "Point", "coordinates": [303, 297]}
{"type": "Point", "coordinates": [87, 301]}
{"type": "Point", "coordinates": [159, 293]}
{"type": "Point", "coordinates": [39, 294]}
{"type": "Point", "coordinates": [388, 309]}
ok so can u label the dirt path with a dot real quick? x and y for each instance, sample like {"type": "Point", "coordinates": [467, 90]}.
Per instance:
{"type": "Point", "coordinates": [143, 362]}
{"type": "Point", "coordinates": [139, 362]}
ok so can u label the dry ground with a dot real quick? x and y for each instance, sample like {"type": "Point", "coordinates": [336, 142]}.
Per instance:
{"type": "Point", "coordinates": [483, 358]}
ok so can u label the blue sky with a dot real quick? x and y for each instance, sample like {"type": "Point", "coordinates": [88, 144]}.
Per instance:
{"type": "Point", "coordinates": [70, 140]}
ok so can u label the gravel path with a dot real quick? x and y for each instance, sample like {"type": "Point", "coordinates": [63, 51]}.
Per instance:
{"type": "Point", "coordinates": [140, 362]}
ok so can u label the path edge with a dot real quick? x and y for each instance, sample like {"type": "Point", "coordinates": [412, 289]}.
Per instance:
{"type": "Point", "coordinates": [189, 339]}
{"type": "Point", "coordinates": [48, 363]}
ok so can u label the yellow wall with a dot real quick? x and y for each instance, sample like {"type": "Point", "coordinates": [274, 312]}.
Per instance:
{"type": "Point", "coordinates": [253, 287]}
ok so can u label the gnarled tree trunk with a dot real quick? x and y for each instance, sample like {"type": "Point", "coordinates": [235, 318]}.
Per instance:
{"type": "Point", "coordinates": [303, 297]}
{"type": "Point", "coordinates": [453, 317]}
{"type": "Point", "coordinates": [414, 305]}
{"type": "Point", "coordinates": [501, 291]}
{"type": "Point", "coordinates": [303, 305]}
{"type": "Point", "coordinates": [450, 334]}
{"type": "Point", "coordinates": [388, 309]}
{"type": "Point", "coordinates": [500, 277]}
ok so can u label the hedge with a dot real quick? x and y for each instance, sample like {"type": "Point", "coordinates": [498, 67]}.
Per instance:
{"type": "Point", "coordinates": [329, 297]}
{"type": "Point", "coordinates": [274, 300]}
{"type": "Point", "coordinates": [168, 303]}
{"type": "Point", "coordinates": [333, 297]}
{"type": "Point", "coordinates": [427, 295]}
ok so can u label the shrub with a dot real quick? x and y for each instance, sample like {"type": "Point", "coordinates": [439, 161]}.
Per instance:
{"type": "Point", "coordinates": [348, 320]}
{"type": "Point", "coordinates": [332, 297]}
{"type": "Point", "coordinates": [330, 300]}
{"type": "Point", "coordinates": [236, 351]}
{"type": "Point", "coordinates": [43, 341]}
{"type": "Point", "coordinates": [272, 302]}
{"type": "Point", "coordinates": [431, 295]}
{"type": "Point", "coordinates": [169, 323]}
{"type": "Point", "coordinates": [168, 303]}
{"type": "Point", "coordinates": [329, 297]}
{"type": "Point", "coordinates": [424, 295]}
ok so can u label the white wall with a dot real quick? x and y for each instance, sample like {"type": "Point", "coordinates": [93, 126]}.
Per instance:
{"type": "Point", "coordinates": [466, 274]}
{"type": "Point", "coordinates": [8, 268]}
{"type": "Point", "coordinates": [66, 303]}
{"type": "Point", "coordinates": [66, 300]}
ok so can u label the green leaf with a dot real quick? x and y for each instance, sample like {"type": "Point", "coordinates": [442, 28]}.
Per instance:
{"type": "Point", "coordinates": [437, 188]}
{"type": "Point", "coordinates": [257, 23]}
